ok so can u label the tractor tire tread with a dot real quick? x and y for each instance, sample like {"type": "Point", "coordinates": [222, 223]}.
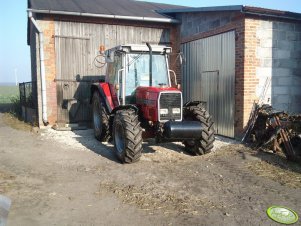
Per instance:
{"type": "Point", "coordinates": [132, 135]}
{"type": "Point", "coordinates": [205, 143]}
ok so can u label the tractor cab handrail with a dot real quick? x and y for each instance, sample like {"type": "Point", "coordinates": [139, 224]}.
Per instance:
{"type": "Point", "coordinates": [122, 88]}
{"type": "Point", "coordinates": [175, 77]}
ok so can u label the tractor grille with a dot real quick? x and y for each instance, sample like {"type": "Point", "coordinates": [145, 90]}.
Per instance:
{"type": "Point", "coordinates": [172, 102]}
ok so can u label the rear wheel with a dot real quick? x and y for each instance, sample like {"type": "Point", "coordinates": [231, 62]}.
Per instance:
{"type": "Point", "coordinates": [100, 119]}
{"type": "Point", "coordinates": [204, 144]}
{"type": "Point", "coordinates": [127, 135]}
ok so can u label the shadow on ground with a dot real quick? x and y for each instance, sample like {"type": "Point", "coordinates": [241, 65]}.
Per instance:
{"type": "Point", "coordinates": [86, 138]}
{"type": "Point", "coordinates": [278, 160]}
{"type": "Point", "coordinates": [106, 149]}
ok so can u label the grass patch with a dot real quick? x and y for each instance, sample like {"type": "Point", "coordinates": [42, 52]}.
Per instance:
{"type": "Point", "coordinates": [11, 107]}
{"type": "Point", "coordinates": [10, 100]}
{"type": "Point", "coordinates": [12, 121]}
{"type": "Point", "coordinates": [8, 94]}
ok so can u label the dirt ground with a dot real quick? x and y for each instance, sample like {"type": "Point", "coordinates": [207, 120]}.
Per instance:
{"type": "Point", "coordinates": [68, 178]}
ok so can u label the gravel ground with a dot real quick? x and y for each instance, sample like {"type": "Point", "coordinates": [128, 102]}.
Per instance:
{"type": "Point", "coordinates": [84, 140]}
{"type": "Point", "coordinates": [69, 178]}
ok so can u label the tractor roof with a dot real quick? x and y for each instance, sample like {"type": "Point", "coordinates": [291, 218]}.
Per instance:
{"type": "Point", "coordinates": [141, 48]}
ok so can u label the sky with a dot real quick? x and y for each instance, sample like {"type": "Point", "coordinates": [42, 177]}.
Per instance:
{"type": "Point", "coordinates": [15, 54]}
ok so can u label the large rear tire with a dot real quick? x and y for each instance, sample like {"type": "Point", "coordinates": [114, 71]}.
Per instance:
{"type": "Point", "coordinates": [204, 144]}
{"type": "Point", "coordinates": [127, 136]}
{"type": "Point", "coordinates": [100, 119]}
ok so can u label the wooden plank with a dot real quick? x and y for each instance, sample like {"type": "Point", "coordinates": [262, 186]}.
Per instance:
{"type": "Point", "coordinates": [71, 37]}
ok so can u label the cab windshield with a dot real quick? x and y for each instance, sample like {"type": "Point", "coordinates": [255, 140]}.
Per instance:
{"type": "Point", "coordinates": [137, 68]}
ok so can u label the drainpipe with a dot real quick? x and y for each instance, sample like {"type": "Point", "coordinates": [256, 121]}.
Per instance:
{"type": "Point", "coordinates": [42, 70]}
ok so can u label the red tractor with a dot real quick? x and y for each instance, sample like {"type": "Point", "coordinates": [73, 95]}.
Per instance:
{"type": "Point", "coordinates": [137, 100]}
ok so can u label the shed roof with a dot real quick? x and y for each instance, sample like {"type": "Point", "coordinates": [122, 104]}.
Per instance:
{"type": "Point", "coordinates": [103, 7]}
{"type": "Point", "coordinates": [243, 9]}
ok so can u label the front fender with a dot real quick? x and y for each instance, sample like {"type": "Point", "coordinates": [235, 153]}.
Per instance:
{"type": "Point", "coordinates": [195, 103]}
{"type": "Point", "coordinates": [125, 107]}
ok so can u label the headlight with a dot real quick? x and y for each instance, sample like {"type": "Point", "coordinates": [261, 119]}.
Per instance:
{"type": "Point", "coordinates": [176, 111]}
{"type": "Point", "coordinates": [163, 111]}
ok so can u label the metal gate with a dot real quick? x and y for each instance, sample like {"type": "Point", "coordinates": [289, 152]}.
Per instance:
{"type": "Point", "coordinates": [209, 75]}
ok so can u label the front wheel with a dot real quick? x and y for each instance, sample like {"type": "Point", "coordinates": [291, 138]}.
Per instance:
{"type": "Point", "coordinates": [127, 136]}
{"type": "Point", "coordinates": [204, 144]}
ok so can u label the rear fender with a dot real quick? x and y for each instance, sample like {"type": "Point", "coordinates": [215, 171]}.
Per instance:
{"type": "Point", "coordinates": [105, 94]}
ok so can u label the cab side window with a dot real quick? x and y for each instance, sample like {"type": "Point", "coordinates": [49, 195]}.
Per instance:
{"type": "Point", "coordinates": [111, 73]}
{"type": "Point", "coordinates": [117, 65]}
{"type": "Point", "coordinates": [113, 69]}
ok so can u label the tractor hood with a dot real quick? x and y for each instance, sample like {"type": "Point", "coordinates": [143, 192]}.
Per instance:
{"type": "Point", "coordinates": [159, 104]}
{"type": "Point", "coordinates": [145, 90]}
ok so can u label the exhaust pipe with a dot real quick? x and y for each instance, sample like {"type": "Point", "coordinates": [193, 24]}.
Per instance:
{"type": "Point", "coordinates": [150, 64]}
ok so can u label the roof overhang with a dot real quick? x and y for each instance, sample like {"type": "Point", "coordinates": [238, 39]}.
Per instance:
{"type": "Point", "coordinates": [108, 16]}
{"type": "Point", "coordinates": [247, 10]}
{"type": "Point", "coordinates": [202, 9]}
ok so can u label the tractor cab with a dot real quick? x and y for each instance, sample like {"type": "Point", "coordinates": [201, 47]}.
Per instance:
{"type": "Point", "coordinates": [128, 67]}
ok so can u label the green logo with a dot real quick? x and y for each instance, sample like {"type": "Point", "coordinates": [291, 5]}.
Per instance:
{"type": "Point", "coordinates": [282, 215]}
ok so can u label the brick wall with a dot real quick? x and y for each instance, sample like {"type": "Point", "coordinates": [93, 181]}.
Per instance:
{"type": "Point", "coordinates": [175, 63]}
{"type": "Point", "coordinates": [251, 62]}
{"type": "Point", "coordinates": [271, 53]}
{"type": "Point", "coordinates": [264, 53]}
{"type": "Point", "coordinates": [239, 77]}
{"type": "Point", "coordinates": [47, 26]}
{"type": "Point", "coordinates": [196, 23]}
{"type": "Point", "coordinates": [279, 52]}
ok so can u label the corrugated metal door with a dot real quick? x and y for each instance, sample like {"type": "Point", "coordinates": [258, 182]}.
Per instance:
{"type": "Point", "coordinates": [72, 81]}
{"type": "Point", "coordinates": [209, 75]}
{"type": "Point", "coordinates": [209, 93]}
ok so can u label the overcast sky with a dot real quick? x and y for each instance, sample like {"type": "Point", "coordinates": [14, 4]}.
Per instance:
{"type": "Point", "coordinates": [14, 52]}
